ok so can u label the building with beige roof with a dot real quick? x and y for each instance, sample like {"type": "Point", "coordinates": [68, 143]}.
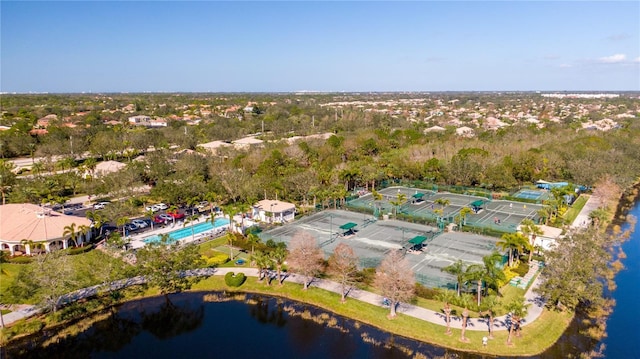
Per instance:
{"type": "Point", "coordinates": [22, 223]}
{"type": "Point", "coordinates": [274, 211]}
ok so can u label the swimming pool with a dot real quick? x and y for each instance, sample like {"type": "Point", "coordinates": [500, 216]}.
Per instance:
{"type": "Point", "coordinates": [186, 232]}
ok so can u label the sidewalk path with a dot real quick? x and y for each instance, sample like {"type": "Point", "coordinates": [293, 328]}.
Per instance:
{"type": "Point", "coordinates": [582, 220]}
{"type": "Point", "coordinates": [476, 324]}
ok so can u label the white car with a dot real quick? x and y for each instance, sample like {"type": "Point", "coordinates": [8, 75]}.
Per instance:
{"type": "Point", "coordinates": [153, 208]}
{"type": "Point", "coordinates": [162, 206]}
{"type": "Point", "coordinates": [100, 205]}
{"type": "Point", "coordinates": [140, 223]}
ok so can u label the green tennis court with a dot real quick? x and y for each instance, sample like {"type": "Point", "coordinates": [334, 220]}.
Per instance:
{"type": "Point", "coordinates": [372, 239]}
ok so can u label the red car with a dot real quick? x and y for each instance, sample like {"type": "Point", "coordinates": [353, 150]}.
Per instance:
{"type": "Point", "coordinates": [158, 220]}
{"type": "Point", "coordinates": [175, 214]}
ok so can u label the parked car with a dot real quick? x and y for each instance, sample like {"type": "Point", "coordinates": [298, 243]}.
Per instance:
{"type": "Point", "coordinates": [107, 229]}
{"type": "Point", "coordinates": [202, 205]}
{"type": "Point", "coordinates": [152, 208]}
{"type": "Point", "coordinates": [158, 220]}
{"type": "Point", "coordinates": [166, 217]}
{"type": "Point", "coordinates": [141, 223]}
{"type": "Point", "coordinates": [130, 227]}
{"type": "Point", "coordinates": [100, 205]}
{"type": "Point", "coordinates": [175, 214]}
{"type": "Point", "coordinates": [162, 206]}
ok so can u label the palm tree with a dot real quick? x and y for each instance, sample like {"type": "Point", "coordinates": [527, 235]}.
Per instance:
{"type": "Point", "coordinates": [598, 216]}
{"type": "Point", "coordinates": [90, 163]}
{"type": "Point", "coordinates": [190, 219]}
{"type": "Point", "coordinates": [230, 210]}
{"type": "Point", "coordinates": [84, 230]}
{"type": "Point", "coordinates": [151, 215]}
{"type": "Point", "coordinates": [487, 272]}
{"type": "Point", "coordinates": [230, 236]}
{"type": "Point", "coordinates": [512, 242]}
{"type": "Point", "coordinates": [71, 231]}
{"type": "Point", "coordinates": [279, 255]}
{"type": "Point", "coordinates": [457, 269]}
{"type": "Point", "coordinates": [489, 305]}
{"type": "Point", "coordinates": [465, 302]}
{"type": "Point", "coordinates": [120, 222]}
{"type": "Point", "coordinates": [98, 220]}
{"type": "Point", "coordinates": [443, 202]}
{"type": "Point", "coordinates": [32, 245]}
{"type": "Point", "coordinates": [518, 310]}
{"type": "Point", "coordinates": [242, 208]}
{"type": "Point", "coordinates": [463, 215]}
{"type": "Point", "coordinates": [253, 239]}
{"type": "Point", "coordinates": [400, 199]}
{"type": "Point", "coordinates": [447, 296]}
{"type": "Point", "coordinates": [263, 262]}
{"type": "Point", "coordinates": [173, 209]}
{"type": "Point", "coordinates": [377, 196]}
{"type": "Point", "coordinates": [531, 231]}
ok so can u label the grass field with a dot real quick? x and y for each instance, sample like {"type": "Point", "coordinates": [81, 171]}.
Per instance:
{"type": "Point", "coordinates": [575, 209]}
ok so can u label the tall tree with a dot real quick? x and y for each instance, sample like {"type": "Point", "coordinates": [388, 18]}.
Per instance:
{"type": "Point", "coordinates": [447, 296]}
{"type": "Point", "coordinates": [278, 256]}
{"type": "Point", "coordinates": [165, 265]}
{"type": "Point", "coordinates": [457, 269]}
{"type": "Point", "coordinates": [465, 301]}
{"type": "Point", "coordinates": [518, 309]}
{"type": "Point", "coordinates": [512, 243]}
{"type": "Point", "coordinates": [395, 279]}
{"type": "Point", "coordinates": [343, 264]}
{"type": "Point", "coordinates": [531, 231]}
{"type": "Point", "coordinates": [305, 256]}
{"type": "Point", "coordinates": [253, 239]}
{"type": "Point", "coordinates": [263, 262]}
{"type": "Point", "coordinates": [72, 232]}
{"type": "Point", "coordinates": [489, 306]}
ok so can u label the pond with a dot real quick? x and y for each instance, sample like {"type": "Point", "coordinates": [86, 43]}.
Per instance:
{"type": "Point", "coordinates": [197, 325]}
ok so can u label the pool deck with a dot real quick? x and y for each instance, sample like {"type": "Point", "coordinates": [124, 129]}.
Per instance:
{"type": "Point", "coordinates": [137, 239]}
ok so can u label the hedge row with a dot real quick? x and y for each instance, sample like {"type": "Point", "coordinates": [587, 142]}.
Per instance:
{"type": "Point", "coordinates": [234, 280]}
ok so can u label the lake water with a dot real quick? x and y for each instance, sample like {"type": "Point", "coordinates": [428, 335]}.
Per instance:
{"type": "Point", "coordinates": [192, 326]}
{"type": "Point", "coordinates": [623, 340]}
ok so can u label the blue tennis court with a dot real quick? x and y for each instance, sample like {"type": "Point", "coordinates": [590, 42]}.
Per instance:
{"type": "Point", "coordinates": [531, 194]}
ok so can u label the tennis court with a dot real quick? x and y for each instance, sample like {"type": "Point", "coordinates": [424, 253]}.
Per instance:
{"type": "Point", "coordinates": [372, 239]}
{"type": "Point", "coordinates": [445, 207]}
{"type": "Point", "coordinates": [532, 194]}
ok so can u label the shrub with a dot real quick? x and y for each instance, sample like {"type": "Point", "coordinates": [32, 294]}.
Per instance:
{"type": "Point", "coordinates": [234, 280]}
{"type": "Point", "coordinates": [522, 269]}
{"type": "Point", "coordinates": [425, 292]}
{"type": "Point", "coordinates": [79, 250]}
{"type": "Point", "coordinates": [21, 260]}
{"type": "Point", "coordinates": [216, 259]}
{"type": "Point", "coordinates": [509, 275]}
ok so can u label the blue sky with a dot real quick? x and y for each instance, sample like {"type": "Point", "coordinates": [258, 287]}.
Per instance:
{"type": "Point", "coordinates": [129, 46]}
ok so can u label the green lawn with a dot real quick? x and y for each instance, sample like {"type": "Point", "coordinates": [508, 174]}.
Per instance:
{"type": "Point", "coordinates": [7, 272]}
{"type": "Point", "coordinates": [575, 209]}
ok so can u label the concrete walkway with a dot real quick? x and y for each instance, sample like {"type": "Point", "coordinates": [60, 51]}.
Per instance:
{"type": "Point", "coordinates": [411, 310]}
{"type": "Point", "coordinates": [582, 220]}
